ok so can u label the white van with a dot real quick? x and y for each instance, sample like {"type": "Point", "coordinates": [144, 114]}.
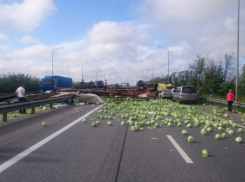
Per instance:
{"type": "Point", "coordinates": [185, 94]}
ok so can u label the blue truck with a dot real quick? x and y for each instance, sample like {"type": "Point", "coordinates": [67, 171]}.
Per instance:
{"type": "Point", "coordinates": [54, 83]}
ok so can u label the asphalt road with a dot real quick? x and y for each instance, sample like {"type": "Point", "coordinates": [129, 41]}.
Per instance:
{"type": "Point", "coordinates": [111, 153]}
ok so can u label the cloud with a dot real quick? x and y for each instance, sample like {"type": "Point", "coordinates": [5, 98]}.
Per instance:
{"type": "Point", "coordinates": [119, 51]}
{"type": "Point", "coordinates": [230, 24]}
{"type": "Point", "coordinates": [24, 16]}
{"type": "Point", "coordinates": [110, 47]}
{"type": "Point", "coordinates": [28, 40]}
{"type": "Point", "coordinates": [3, 36]}
{"type": "Point", "coordinates": [206, 27]}
{"type": "Point", "coordinates": [113, 32]}
{"type": "Point", "coordinates": [185, 10]}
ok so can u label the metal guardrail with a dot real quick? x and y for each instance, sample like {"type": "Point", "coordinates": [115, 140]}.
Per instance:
{"type": "Point", "coordinates": [220, 101]}
{"type": "Point", "coordinates": [13, 107]}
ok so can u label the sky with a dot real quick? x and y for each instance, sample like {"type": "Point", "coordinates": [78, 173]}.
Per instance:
{"type": "Point", "coordinates": [117, 40]}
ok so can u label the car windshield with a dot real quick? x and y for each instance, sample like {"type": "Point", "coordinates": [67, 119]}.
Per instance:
{"type": "Point", "coordinates": [46, 82]}
{"type": "Point", "coordinates": [189, 90]}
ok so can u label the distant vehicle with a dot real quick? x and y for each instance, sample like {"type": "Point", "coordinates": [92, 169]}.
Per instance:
{"type": "Point", "coordinates": [165, 94]}
{"type": "Point", "coordinates": [164, 91]}
{"type": "Point", "coordinates": [115, 86]}
{"type": "Point", "coordinates": [99, 84]}
{"type": "Point", "coordinates": [124, 85]}
{"type": "Point", "coordinates": [163, 86]}
{"type": "Point", "coordinates": [185, 94]}
{"type": "Point", "coordinates": [141, 83]}
{"type": "Point", "coordinates": [91, 84]}
{"type": "Point", "coordinates": [83, 85]}
{"type": "Point", "coordinates": [54, 83]}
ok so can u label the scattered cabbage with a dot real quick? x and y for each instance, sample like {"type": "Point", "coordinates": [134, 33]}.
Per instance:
{"type": "Point", "coordinates": [238, 139]}
{"type": "Point", "coordinates": [190, 139]}
{"type": "Point", "coordinates": [240, 130]}
{"type": "Point", "coordinates": [157, 125]}
{"type": "Point", "coordinates": [109, 123]}
{"type": "Point", "coordinates": [209, 129]}
{"type": "Point", "coordinates": [84, 120]}
{"type": "Point", "coordinates": [184, 132]}
{"type": "Point", "coordinates": [230, 132]}
{"type": "Point", "coordinates": [217, 136]}
{"type": "Point", "coordinates": [133, 128]}
{"type": "Point", "coordinates": [205, 153]}
{"type": "Point", "coordinates": [223, 135]}
{"type": "Point", "coordinates": [203, 131]}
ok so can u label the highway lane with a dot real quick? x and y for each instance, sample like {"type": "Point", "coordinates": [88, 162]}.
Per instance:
{"type": "Point", "coordinates": [158, 160]}
{"type": "Point", "coordinates": [84, 153]}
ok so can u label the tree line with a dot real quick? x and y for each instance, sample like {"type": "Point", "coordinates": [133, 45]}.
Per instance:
{"type": "Point", "coordinates": [206, 72]}
{"type": "Point", "coordinates": [11, 81]}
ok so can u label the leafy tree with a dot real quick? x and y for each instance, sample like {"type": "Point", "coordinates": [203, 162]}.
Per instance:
{"type": "Point", "coordinates": [10, 82]}
{"type": "Point", "coordinates": [228, 73]}
{"type": "Point", "coordinates": [198, 69]}
{"type": "Point", "coordinates": [242, 82]}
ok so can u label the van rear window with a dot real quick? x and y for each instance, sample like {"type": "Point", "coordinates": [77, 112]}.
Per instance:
{"type": "Point", "coordinates": [189, 90]}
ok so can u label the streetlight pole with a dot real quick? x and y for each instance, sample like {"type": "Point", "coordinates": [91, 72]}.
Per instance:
{"type": "Point", "coordinates": [168, 59]}
{"type": "Point", "coordinates": [152, 69]}
{"type": "Point", "coordinates": [53, 59]}
{"type": "Point", "coordinates": [237, 66]}
{"type": "Point", "coordinates": [96, 76]}
{"type": "Point", "coordinates": [82, 69]}
{"type": "Point", "coordinates": [145, 74]}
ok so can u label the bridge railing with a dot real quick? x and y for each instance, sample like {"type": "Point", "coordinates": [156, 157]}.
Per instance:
{"type": "Point", "coordinates": [13, 107]}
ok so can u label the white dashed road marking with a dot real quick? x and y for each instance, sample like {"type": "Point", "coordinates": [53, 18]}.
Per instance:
{"type": "Point", "coordinates": [180, 150]}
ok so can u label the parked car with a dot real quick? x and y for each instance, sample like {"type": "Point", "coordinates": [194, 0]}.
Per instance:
{"type": "Point", "coordinates": [185, 94]}
{"type": "Point", "coordinates": [165, 94]}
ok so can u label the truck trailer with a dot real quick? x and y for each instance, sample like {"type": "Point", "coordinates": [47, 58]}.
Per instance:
{"type": "Point", "coordinates": [54, 83]}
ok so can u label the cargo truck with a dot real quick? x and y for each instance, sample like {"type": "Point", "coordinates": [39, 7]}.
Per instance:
{"type": "Point", "coordinates": [54, 83]}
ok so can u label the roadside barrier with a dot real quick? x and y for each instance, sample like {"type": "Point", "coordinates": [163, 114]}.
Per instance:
{"type": "Point", "coordinates": [220, 101]}
{"type": "Point", "coordinates": [13, 107]}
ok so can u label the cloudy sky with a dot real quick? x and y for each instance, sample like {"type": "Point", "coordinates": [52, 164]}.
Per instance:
{"type": "Point", "coordinates": [119, 38]}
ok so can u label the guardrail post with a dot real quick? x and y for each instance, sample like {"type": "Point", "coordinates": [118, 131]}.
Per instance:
{"type": "Point", "coordinates": [51, 105]}
{"type": "Point", "coordinates": [33, 110]}
{"type": "Point", "coordinates": [238, 105]}
{"type": "Point", "coordinates": [5, 118]}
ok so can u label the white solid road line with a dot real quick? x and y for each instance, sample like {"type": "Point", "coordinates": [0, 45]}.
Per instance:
{"type": "Point", "coordinates": [180, 150]}
{"type": "Point", "coordinates": [23, 154]}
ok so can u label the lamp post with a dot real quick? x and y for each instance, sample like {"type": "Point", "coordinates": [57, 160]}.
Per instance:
{"type": "Point", "coordinates": [82, 69]}
{"type": "Point", "coordinates": [168, 59]}
{"type": "Point", "coordinates": [152, 69]}
{"type": "Point", "coordinates": [53, 59]}
{"type": "Point", "coordinates": [237, 65]}
{"type": "Point", "coordinates": [145, 74]}
{"type": "Point", "coordinates": [96, 76]}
